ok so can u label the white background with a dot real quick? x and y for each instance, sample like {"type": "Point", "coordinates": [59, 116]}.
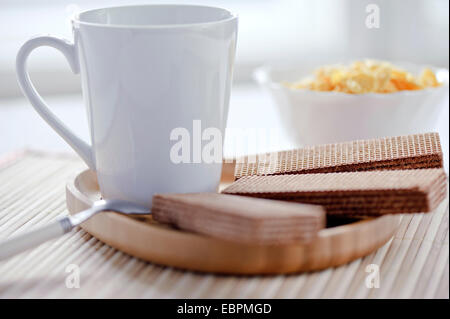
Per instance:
{"type": "Point", "coordinates": [270, 31]}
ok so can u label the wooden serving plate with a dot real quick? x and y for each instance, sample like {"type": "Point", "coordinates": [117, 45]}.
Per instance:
{"type": "Point", "coordinates": [160, 244]}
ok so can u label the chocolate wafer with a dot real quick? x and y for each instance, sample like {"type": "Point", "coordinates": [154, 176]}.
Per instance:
{"type": "Point", "coordinates": [389, 153]}
{"type": "Point", "coordinates": [352, 193]}
{"type": "Point", "coordinates": [241, 219]}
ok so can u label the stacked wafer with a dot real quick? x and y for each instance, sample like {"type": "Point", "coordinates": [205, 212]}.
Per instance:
{"type": "Point", "coordinates": [390, 153]}
{"type": "Point", "coordinates": [241, 219]}
{"type": "Point", "coordinates": [354, 179]}
{"type": "Point", "coordinates": [352, 193]}
{"type": "Point", "coordinates": [389, 175]}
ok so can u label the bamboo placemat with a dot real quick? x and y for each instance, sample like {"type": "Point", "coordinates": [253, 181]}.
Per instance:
{"type": "Point", "coordinates": [414, 264]}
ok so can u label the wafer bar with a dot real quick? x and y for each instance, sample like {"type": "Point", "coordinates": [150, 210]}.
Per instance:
{"type": "Point", "coordinates": [241, 219]}
{"type": "Point", "coordinates": [352, 193]}
{"type": "Point", "coordinates": [389, 153]}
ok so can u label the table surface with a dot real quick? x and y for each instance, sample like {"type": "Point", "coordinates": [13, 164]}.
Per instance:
{"type": "Point", "coordinates": [413, 264]}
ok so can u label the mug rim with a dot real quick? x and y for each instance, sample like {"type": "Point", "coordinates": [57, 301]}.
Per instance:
{"type": "Point", "coordinates": [77, 20]}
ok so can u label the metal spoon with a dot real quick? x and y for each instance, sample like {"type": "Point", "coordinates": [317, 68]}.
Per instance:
{"type": "Point", "coordinates": [36, 237]}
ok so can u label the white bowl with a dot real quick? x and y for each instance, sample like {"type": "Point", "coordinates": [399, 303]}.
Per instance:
{"type": "Point", "coordinates": [311, 117]}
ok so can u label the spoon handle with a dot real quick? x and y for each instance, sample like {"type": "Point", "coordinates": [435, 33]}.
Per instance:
{"type": "Point", "coordinates": [34, 238]}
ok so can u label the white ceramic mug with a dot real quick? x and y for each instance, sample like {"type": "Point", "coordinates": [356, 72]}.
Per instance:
{"type": "Point", "coordinates": [145, 70]}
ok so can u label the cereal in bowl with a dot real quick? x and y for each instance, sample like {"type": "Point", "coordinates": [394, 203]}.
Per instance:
{"type": "Point", "coordinates": [368, 76]}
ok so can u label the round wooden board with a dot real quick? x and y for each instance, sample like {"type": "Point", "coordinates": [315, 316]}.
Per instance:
{"type": "Point", "coordinates": [153, 242]}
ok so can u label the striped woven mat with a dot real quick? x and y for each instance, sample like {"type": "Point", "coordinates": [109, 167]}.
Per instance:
{"type": "Point", "coordinates": [414, 264]}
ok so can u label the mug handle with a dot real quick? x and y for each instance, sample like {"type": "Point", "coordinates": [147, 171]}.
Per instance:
{"type": "Point", "coordinates": [68, 49]}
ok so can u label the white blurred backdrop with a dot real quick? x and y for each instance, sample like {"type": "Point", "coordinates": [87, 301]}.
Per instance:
{"type": "Point", "coordinates": [270, 31]}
